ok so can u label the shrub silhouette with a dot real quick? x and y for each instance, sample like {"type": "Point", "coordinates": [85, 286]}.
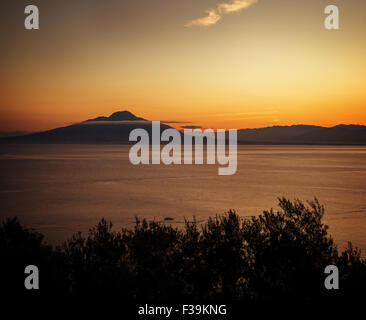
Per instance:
{"type": "Point", "coordinates": [271, 257]}
{"type": "Point", "coordinates": [288, 250]}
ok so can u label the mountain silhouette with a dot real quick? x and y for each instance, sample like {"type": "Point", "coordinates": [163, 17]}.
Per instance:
{"type": "Point", "coordinates": [304, 134]}
{"type": "Point", "coordinates": [117, 127]}
{"type": "Point", "coordinates": [13, 133]}
{"type": "Point", "coordinates": [118, 116]}
{"type": "Point", "coordinates": [114, 129]}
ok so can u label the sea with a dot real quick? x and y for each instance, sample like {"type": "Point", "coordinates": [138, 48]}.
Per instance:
{"type": "Point", "coordinates": [62, 189]}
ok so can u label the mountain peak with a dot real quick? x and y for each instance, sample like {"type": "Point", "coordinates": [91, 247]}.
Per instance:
{"type": "Point", "coordinates": [123, 115]}
{"type": "Point", "coordinates": [118, 116]}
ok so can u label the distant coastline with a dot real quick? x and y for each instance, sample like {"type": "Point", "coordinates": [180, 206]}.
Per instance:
{"type": "Point", "coordinates": [115, 129]}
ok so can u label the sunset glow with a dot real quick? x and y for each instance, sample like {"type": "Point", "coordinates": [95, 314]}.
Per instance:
{"type": "Point", "coordinates": [262, 63]}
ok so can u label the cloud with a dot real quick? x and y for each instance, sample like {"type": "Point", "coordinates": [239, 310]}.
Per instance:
{"type": "Point", "coordinates": [211, 18]}
{"type": "Point", "coordinates": [235, 5]}
{"type": "Point", "coordinates": [113, 122]}
{"type": "Point", "coordinates": [215, 14]}
{"type": "Point", "coordinates": [173, 122]}
{"type": "Point", "coordinates": [191, 127]}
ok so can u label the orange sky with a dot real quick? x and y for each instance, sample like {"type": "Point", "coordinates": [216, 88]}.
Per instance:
{"type": "Point", "coordinates": [271, 63]}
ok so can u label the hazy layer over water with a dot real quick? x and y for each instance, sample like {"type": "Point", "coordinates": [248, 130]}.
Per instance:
{"type": "Point", "coordinates": [61, 189]}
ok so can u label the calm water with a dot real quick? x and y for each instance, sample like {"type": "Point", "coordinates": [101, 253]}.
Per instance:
{"type": "Point", "coordinates": [61, 189]}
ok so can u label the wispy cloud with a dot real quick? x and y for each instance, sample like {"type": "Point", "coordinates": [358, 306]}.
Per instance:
{"type": "Point", "coordinates": [215, 14]}
{"type": "Point", "coordinates": [235, 5]}
{"type": "Point", "coordinates": [212, 17]}
{"type": "Point", "coordinates": [173, 121]}
{"type": "Point", "coordinates": [191, 127]}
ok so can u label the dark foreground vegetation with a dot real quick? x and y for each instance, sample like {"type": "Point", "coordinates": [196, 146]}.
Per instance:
{"type": "Point", "coordinates": [276, 256]}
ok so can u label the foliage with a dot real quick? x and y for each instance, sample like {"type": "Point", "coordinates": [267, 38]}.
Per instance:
{"type": "Point", "coordinates": [271, 257]}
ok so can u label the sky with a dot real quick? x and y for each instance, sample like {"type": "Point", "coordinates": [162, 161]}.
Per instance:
{"type": "Point", "coordinates": [210, 63]}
